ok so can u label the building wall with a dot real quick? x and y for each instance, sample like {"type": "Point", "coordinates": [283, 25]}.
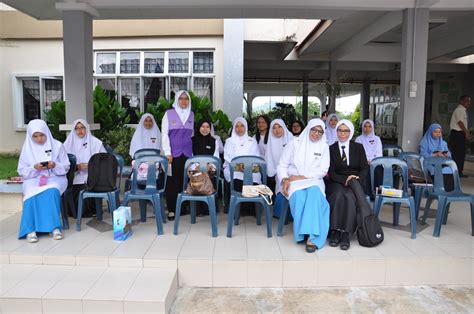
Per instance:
{"type": "Point", "coordinates": [45, 57]}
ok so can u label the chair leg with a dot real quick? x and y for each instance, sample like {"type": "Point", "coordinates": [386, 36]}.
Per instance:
{"type": "Point", "coordinates": [396, 213]}
{"type": "Point", "coordinates": [98, 207]}
{"type": "Point", "coordinates": [162, 203]}
{"type": "Point", "coordinates": [212, 204]}
{"type": "Point", "coordinates": [192, 206]}
{"type": "Point", "coordinates": [177, 216]}
{"type": "Point", "coordinates": [258, 213]}
{"type": "Point", "coordinates": [230, 216]}
{"type": "Point", "coordinates": [472, 217]}
{"type": "Point", "coordinates": [439, 215]}
{"type": "Point", "coordinates": [377, 206]}
{"type": "Point", "coordinates": [237, 213]}
{"type": "Point", "coordinates": [158, 217]}
{"type": "Point", "coordinates": [427, 209]}
{"type": "Point", "coordinates": [79, 211]}
{"type": "Point", "coordinates": [112, 205]}
{"type": "Point", "coordinates": [268, 220]}
{"type": "Point", "coordinates": [283, 217]}
{"type": "Point", "coordinates": [142, 204]}
{"type": "Point", "coordinates": [412, 210]}
{"type": "Point", "coordinates": [64, 218]}
{"type": "Point", "coordinates": [417, 199]}
{"type": "Point", "coordinates": [445, 220]}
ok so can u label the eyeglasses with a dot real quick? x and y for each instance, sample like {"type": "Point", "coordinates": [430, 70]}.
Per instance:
{"type": "Point", "coordinates": [317, 131]}
{"type": "Point", "coordinates": [344, 131]}
{"type": "Point", "coordinates": [80, 128]}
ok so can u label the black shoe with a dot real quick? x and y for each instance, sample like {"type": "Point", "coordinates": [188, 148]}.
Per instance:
{"type": "Point", "coordinates": [334, 238]}
{"type": "Point", "coordinates": [170, 216]}
{"type": "Point", "coordinates": [345, 242]}
{"type": "Point", "coordinates": [462, 175]}
{"type": "Point", "coordinates": [311, 248]}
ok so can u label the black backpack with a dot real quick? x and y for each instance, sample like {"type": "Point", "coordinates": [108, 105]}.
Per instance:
{"type": "Point", "coordinates": [369, 230]}
{"type": "Point", "coordinates": [102, 173]}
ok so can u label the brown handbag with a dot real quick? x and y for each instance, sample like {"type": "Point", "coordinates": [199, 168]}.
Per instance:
{"type": "Point", "coordinates": [199, 183]}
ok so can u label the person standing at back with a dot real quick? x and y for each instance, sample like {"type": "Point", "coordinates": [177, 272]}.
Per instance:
{"type": "Point", "coordinates": [177, 131]}
{"type": "Point", "coordinates": [460, 133]}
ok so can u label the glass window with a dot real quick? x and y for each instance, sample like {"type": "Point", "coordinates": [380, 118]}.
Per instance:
{"type": "Point", "coordinates": [108, 85]}
{"type": "Point", "coordinates": [203, 62]}
{"type": "Point", "coordinates": [31, 100]}
{"type": "Point", "coordinates": [178, 62]}
{"type": "Point", "coordinates": [105, 63]}
{"type": "Point", "coordinates": [130, 97]}
{"type": "Point", "coordinates": [53, 91]}
{"type": "Point", "coordinates": [154, 62]}
{"type": "Point", "coordinates": [154, 88]}
{"type": "Point", "coordinates": [176, 84]}
{"type": "Point", "coordinates": [129, 62]}
{"type": "Point", "coordinates": [203, 87]}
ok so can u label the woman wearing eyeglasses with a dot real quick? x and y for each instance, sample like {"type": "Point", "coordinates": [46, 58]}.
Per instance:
{"type": "Point", "coordinates": [302, 167]}
{"type": "Point", "coordinates": [347, 172]}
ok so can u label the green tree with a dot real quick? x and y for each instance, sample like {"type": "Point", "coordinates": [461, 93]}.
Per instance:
{"type": "Point", "coordinates": [355, 119]}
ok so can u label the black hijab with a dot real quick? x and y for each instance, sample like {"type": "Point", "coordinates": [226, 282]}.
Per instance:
{"type": "Point", "coordinates": [203, 145]}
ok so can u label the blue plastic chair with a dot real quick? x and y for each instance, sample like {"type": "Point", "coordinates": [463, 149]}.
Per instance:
{"type": "Point", "coordinates": [68, 197]}
{"type": "Point", "coordinates": [415, 161]}
{"type": "Point", "coordinates": [388, 164]}
{"type": "Point", "coordinates": [120, 164]}
{"type": "Point", "coordinates": [146, 152]}
{"type": "Point", "coordinates": [445, 198]}
{"type": "Point", "coordinates": [109, 149]}
{"type": "Point", "coordinates": [151, 192]}
{"type": "Point", "coordinates": [112, 198]}
{"type": "Point", "coordinates": [236, 198]}
{"type": "Point", "coordinates": [391, 150]}
{"type": "Point", "coordinates": [210, 200]}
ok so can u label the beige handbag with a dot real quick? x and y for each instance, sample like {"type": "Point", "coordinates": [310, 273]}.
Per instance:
{"type": "Point", "coordinates": [258, 190]}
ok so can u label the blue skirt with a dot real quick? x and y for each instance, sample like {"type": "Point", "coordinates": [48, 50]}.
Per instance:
{"type": "Point", "coordinates": [41, 213]}
{"type": "Point", "coordinates": [310, 211]}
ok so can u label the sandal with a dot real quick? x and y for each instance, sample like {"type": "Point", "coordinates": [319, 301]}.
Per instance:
{"type": "Point", "coordinates": [32, 237]}
{"type": "Point", "coordinates": [311, 248]}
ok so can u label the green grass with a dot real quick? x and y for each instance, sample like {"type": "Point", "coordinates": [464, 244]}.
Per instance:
{"type": "Point", "coordinates": [8, 165]}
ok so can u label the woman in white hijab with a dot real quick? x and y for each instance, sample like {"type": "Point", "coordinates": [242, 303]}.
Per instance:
{"type": "Point", "coordinates": [43, 165]}
{"type": "Point", "coordinates": [279, 137]}
{"type": "Point", "coordinates": [147, 135]}
{"type": "Point", "coordinates": [240, 144]}
{"type": "Point", "coordinates": [177, 128]}
{"type": "Point", "coordinates": [82, 144]}
{"type": "Point", "coordinates": [302, 167]}
{"type": "Point", "coordinates": [347, 174]}
{"type": "Point", "coordinates": [373, 149]}
{"type": "Point", "coordinates": [331, 123]}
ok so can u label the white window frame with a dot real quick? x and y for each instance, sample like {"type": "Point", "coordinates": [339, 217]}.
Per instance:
{"type": "Point", "coordinates": [17, 94]}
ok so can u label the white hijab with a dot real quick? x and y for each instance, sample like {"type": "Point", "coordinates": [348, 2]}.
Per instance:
{"type": "Point", "coordinates": [351, 128]}
{"type": "Point", "coordinates": [275, 146]}
{"type": "Point", "coordinates": [33, 153]}
{"type": "Point", "coordinates": [82, 148]}
{"type": "Point", "coordinates": [331, 133]}
{"type": "Point", "coordinates": [370, 142]}
{"type": "Point", "coordinates": [242, 145]}
{"type": "Point", "coordinates": [182, 113]}
{"type": "Point", "coordinates": [306, 150]}
{"type": "Point", "coordinates": [145, 138]}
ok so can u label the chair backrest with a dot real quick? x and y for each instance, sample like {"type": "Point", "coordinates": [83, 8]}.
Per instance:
{"type": "Point", "coordinates": [390, 150]}
{"type": "Point", "coordinates": [72, 169]}
{"type": "Point", "coordinates": [438, 163]}
{"type": "Point", "coordinates": [388, 164]}
{"type": "Point", "coordinates": [248, 162]}
{"type": "Point", "coordinates": [121, 164]}
{"type": "Point", "coordinates": [109, 149]}
{"type": "Point", "coordinates": [151, 186]}
{"type": "Point", "coordinates": [203, 160]}
{"type": "Point", "coordinates": [412, 159]}
{"type": "Point", "coordinates": [146, 152]}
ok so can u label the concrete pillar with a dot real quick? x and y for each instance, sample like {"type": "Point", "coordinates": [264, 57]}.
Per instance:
{"type": "Point", "coordinates": [365, 100]}
{"type": "Point", "coordinates": [233, 67]}
{"type": "Point", "coordinates": [78, 63]}
{"type": "Point", "coordinates": [413, 69]}
{"type": "Point", "coordinates": [305, 99]}
{"type": "Point", "coordinates": [333, 81]}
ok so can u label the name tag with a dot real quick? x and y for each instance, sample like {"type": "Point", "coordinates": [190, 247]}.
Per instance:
{"type": "Point", "coordinates": [153, 139]}
{"type": "Point", "coordinates": [84, 145]}
{"type": "Point", "coordinates": [371, 141]}
{"type": "Point", "coordinates": [48, 152]}
{"type": "Point", "coordinates": [317, 154]}
{"type": "Point", "coordinates": [208, 147]}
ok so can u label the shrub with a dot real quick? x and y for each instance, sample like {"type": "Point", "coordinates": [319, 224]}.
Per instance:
{"type": "Point", "coordinates": [119, 139]}
{"type": "Point", "coordinates": [55, 117]}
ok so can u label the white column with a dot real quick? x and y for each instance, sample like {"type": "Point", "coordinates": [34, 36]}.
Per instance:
{"type": "Point", "coordinates": [233, 67]}
{"type": "Point", "coordinates": [78, 71]}
{"type": "Point", "coordinates": [413, 71]}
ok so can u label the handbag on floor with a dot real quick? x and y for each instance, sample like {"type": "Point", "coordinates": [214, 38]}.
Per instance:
{"type": "Point", "coordinates": [258, 190]}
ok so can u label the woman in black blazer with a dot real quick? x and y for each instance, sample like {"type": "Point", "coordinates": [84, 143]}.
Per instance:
{"type": "Point", "coordinates": [347, 172]}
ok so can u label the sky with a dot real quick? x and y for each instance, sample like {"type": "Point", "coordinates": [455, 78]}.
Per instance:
{"type": "Point", "coordinates": [343, 104]}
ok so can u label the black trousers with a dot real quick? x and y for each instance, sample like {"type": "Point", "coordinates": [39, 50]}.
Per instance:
{"type": "Point", "coordinates": [89, 203]}
{"type": "Point", "coordinates": [457, 141]}
{"type": "Point", "coordinates": [174, 184]}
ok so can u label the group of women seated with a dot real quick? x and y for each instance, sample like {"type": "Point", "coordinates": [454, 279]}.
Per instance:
{"type": "Point", "coordinates": [318, 168]}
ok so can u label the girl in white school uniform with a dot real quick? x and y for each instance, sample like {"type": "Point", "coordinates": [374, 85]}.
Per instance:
{"type": "Point", "coordinates": [82, 144]}
{"type": "Point", "coordinates": [43, 164]}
